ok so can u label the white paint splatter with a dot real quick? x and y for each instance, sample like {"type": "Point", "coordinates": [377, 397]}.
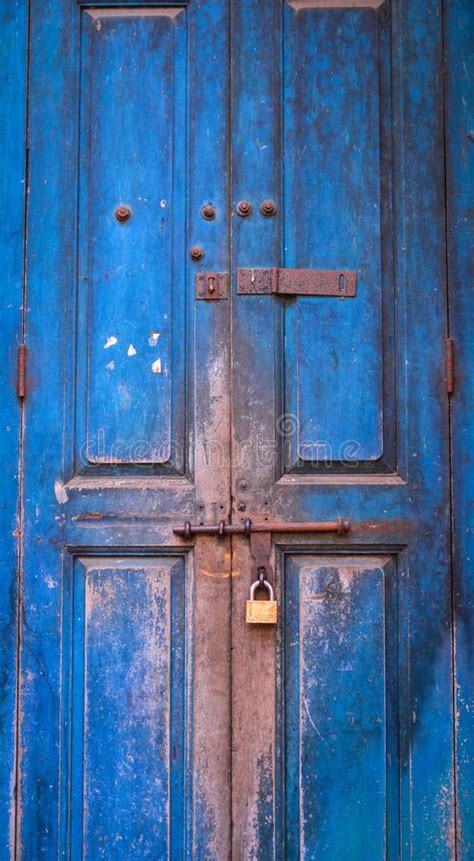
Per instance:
{"type": "Point", "coordinates": [153, 339]}
{"type": "Point", "coordinates": [60, 492]}
{"type": "Point", "coordinates": [110, 366]}
{"type": "Point", "coordinates": [110, 342]}
{"type": "Point", "coordinates": [156, 366]}
{"type": "Point", "coordinates": [162, 203]}
{"type": "Point", "coordinates": [131, 351]}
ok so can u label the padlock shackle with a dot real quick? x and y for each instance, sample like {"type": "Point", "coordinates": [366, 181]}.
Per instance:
{"type": "Point", "coordinates": [268, 586]}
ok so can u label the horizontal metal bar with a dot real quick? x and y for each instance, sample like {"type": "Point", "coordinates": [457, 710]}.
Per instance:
{"type": "Point", "coordinates": [339, 283]}
{"type": "Point", "coordinates": [222, 529]}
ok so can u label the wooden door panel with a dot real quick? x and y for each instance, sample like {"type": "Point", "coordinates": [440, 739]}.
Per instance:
{"type": "Point", "coordinates": [336, 194]}
{"type": "Point", "coordinates": [340, 681]}
{"type": "Point", "coordinates": [341, 411]}
{"type": "Point", "coordinates": [123, 444]}
{"type": "Point", "coordinates": [127, 633]}
{"type": "Point", "coordinates": [131, 282]}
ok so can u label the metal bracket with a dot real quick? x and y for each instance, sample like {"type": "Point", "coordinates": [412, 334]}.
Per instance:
{"type": "Point", "coordinates": [211, 285]}
{"type": "Point", "coordinates": [297, 282]}
{"type": "Point", "coordinates": [260, 549]}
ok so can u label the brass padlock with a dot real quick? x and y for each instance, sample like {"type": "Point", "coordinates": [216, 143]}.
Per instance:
{"type": "Point", "coordinates": [262, 612]}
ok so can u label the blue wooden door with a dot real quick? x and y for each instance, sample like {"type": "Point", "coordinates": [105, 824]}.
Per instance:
{"type": "Point", "coordinates": [125, 652]}
{"type": "Point", "coordinates": [342, 723]}
{"type": "Point", "coordinates": [168, 140]}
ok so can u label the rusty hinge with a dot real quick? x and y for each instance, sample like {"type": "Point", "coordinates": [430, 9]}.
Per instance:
{"type": "Point", "coordinates": [21, 371]}
{"type": "Point", "coordinates": [449, 366]}
{"type": "Point", "coordinates": [297, 282]}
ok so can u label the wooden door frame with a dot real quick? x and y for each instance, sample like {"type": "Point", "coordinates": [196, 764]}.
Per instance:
{"type": "Point", "coordinates": [459, 118]}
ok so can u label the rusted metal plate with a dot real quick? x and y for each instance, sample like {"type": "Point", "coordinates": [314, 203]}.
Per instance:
{"type": "Point", "coordinates": [297, 282]}
{"type": "Point", "coordinates": [211, 285]}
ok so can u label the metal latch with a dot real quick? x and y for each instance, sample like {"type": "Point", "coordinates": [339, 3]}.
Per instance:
{"type": "Point", "coordinates": [211, 285]}
{"type": "Point", "coordinates": [297, 282]}
{"type": "Point", "coordinates": [260, 535]}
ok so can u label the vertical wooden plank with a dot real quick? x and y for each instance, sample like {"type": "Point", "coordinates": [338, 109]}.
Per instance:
{"type": "Point", "coordinates": [53, 114]}
{"type": "Point", "coordinates": [256, 109]}
{"type": "Point", "coordinates": [13, 83]}
{"type": "Point", "coordinates": [459, 65]}
{"type": "Point", "coordinates": [208, 150]}
{"type": "Point", "coordinates": [426, 747]}
{"type": "Point", "coordinates": [253, 721]}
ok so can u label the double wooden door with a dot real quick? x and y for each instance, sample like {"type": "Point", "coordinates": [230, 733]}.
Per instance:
{"type": "Point", "coordinates": [184, 160]}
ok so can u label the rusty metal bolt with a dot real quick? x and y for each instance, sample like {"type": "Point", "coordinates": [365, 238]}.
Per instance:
{"type": "Point", "coordinates": [243, 208]}
{"type": "Point", "coordinates": [123, 213]}
{"type": "Point", "coordinates": [196, 252]}
{"type": "Point", "coordinates": [208, 212]}
{"type": "Point", "coordinates": [268, 207]}
{"type": "Point", "coordinates": [241, 505]}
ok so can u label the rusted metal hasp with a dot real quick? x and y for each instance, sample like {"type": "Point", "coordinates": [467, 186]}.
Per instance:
{"type": "Point", "coordinates": [211, 285]}
{"type": "Point", "coordinates": [221, 529]}
{"type": "Point", "coordinates": [297, 282]}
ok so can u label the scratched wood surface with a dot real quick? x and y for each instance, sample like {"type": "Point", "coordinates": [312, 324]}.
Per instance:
{"type": "Point", "coordinates": [459, 29]}
{"type": "Point", "coordinates": [125, 697]}
{"type": "Point", "coordinates": [13, 51]}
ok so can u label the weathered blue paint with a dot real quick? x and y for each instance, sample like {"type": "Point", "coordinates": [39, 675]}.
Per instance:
{"type": "Point", "coordinates": [131, 278]}
{"type": "Point", "coordinates": [459, 64]}
{"type": "Point", "coordinates": [13, 54]}
{"type": "Point", "coordinates": [332, 211]}
{"type": "Point", "coordinates": [125, 740]}
{"type": "Point", "coordinates": [341, 707]}
{"type": "Point", "coordinates": [341, 732]}
{"type": "Point", "coordinates": [350, 123]}
{"type": "Point", "coordinates": [127, 680]}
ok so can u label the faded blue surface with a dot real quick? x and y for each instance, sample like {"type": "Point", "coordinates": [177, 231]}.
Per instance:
{"type": "Point", "coordinates": [355, 98]}
{"type": "Point", "coordinates": [128, 644]}
{"type": "Point", "coordinates": [333, 105]}
{"type": "Point", "coordinates": [459, 29]}
{"type": "Point", "coordinates": [131, 278]}
{"type": "Point", "coordinates": [13, 56]}
{"type": "Point", "coordinates": [107, 767]}
{"type": "Point", "coordinates": [341, 708]}
{"type": "Point", "coordinates": [337, 115]}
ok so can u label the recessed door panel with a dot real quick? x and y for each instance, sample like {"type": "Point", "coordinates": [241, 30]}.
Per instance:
{"type": "Point", "coordinates": [132, 265]}
{"type": "Point", "coordinates": [340, 706]}
{"type": "Point", "coordinates": [126, 625]}
{"type": "Point", "coordinates": [336, 101]}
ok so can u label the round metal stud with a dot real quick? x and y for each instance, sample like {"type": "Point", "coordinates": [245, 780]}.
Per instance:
{"type": "Point", "coordinates": [268, 207]}
{"type": "Point", "coordinates": [196, 252]}
{"type": "Point", "coordinates": [243, 208]}
{"type": "Point", "coordinates": [123, 213]}
{"type": "Point", "coordinates": [208, 212]}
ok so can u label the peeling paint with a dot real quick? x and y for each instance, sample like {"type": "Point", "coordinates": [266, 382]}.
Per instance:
{"type": "Point", "coordinates": [153, 339]}
{"type": "Point", "coordinates": [60, 492]}
{"type": "Point", "coordinates": [110, 342]}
